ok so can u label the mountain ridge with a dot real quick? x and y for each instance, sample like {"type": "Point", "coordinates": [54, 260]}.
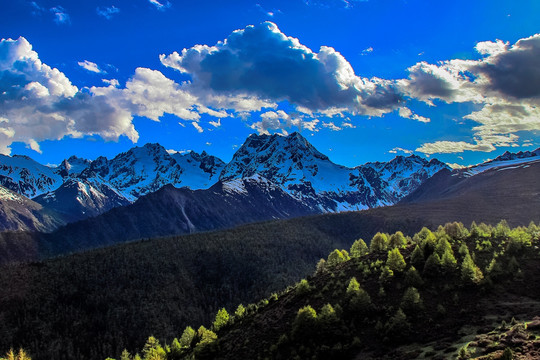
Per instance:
{"type": "Point", "coordinates": [79, 188]}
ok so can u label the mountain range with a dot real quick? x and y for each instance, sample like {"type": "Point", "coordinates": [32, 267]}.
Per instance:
{"type": "Point", "coordinates": [80, 188]}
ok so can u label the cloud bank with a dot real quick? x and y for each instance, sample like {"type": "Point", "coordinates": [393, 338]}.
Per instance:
{"type": "Point", "coordinates": [505, 83]}
{"type": "Point", "coordinates": [256, 68]}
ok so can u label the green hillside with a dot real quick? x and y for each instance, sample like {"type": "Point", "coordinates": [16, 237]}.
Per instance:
{"type": "Point", "coordinates": [452, 293]}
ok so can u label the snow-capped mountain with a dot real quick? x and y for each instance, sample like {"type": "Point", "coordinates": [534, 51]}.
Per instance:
{"type": "Point", "coordinates": [308, 175]}
{"type": "Point", "coordinates": [200, 171]}
{"type": "Point", "coordinates": [505, 160]}
{"type": "Point", "coordinates": [77, 198]}
{"type": "Point", "coordinates": [137, 172]}
{"type": "Point", "coordinates": [27, 177]}
{"type": "Point", "coordinates": [80, 188]}
{"type": "Point", "coordinates": [72, 167]}
{"type": "Point", "coordinates": [402, 175]}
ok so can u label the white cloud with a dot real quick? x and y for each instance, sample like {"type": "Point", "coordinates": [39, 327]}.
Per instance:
{"type": "Point", "coordinates": [60, 15]}
{"type": "Point", "coordinates": [505, 84]}
{"type": "Point", "coordinates": [107, 12]}
{"type": "Point", "coordinates": [160, 5]}
{"type": "Point", "coordinates": [450, 147]}
{"type": "Point", "coordinates": [90, 66]}
{"type": "Point", "coordinates": [197, 127]}
{"type": "Point", "coordinates": [367, 51]}
{"type": "Point", "coordinates": [398, 149]}
{"type": "Point", "coordinates": [215, 124]}
{"type": "Point", "coordinates": [172, 151]}
{"type": "Point", "coordinates": [238, 67]}
{"type": "Point", "coordinates": [408, 114]}
{"type": "Point", "coordinates": [111, 82]}
{"type": "Point", "coordinates": [39, 102]}
{"type": "Point", "coordinates": [455, 166]}
{"type": "Point", "coordinates": [331, 126]}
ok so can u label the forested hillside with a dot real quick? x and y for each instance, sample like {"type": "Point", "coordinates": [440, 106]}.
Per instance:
{"type": "Point", "coordinates": [452, 293]}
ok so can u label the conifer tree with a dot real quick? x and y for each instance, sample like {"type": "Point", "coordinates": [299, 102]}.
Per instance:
{"type": "Point", "coordinates": [152, 350]}
{"type": "Point", "coordinates": [470, 272]}
{"type": "Point", "coordinates": [379, 242]}
{"type": "Point", "coordinates": [412, 300]}
{"type": "Point", "coordinates": [359, 248]}
{"type": "Point", "coordinates": [221, 320]}
{"type": "Point", "coordinates": [187, 337]}
{"type": "Point", "coordinates": [305, 322]}
{"type": "Point", "coordinates": [321, 267]}
{"type": "Point", "coordinates": [395, 260]}
{"type": "Point", "coordinates": [240, 311]}
{"type": "Point", "coordinates": [417, 256]}
{"type": "Point", "coordinates": [335, 257]}
{"type": "Point", "coordinates": [448, 261]}
{"type": "Point", "coordinates": [205, 336]}
{"type": "Point", "coordinates": [433, 265]}
{"type": "Point", "coordinates": [413, 278]}
{"type": "Point", "coordinates": [327, 315]}
{"type": "Point", "coordinates": [125, 355]}
{"type": "Point", "coordinates": [397, 240]}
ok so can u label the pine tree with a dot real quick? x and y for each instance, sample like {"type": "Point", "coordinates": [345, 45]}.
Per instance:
{"type": "Point", "coordinates": [413, 278]}
{"type": "Point", "coordinates": [335, 257]}
{"type": "Point", "coordinates": [125, 355]}
{"type": "Point", "coordinates": [417, 256]}
{"type": "Point", "coordinates": [398, 324]}
{"type": "Point", "coordinates": [379, 242]}
{"type": "Point", "coordinates": [470, 272]}
{"type": "Point", "coordinates": [359, 248]}
{"type": "Point", "coordinates": [433, 265]}
{"type": "Point", "coordinates": [187, 337]}
{"type": "Point", "coordinates": [175, 350]}
{"type": "Point", "coordinates": [305, 322]}
{"type": "Point", "coordinates": [395, 260]}
{"type": "Point", "coordinates": [411, 300]}
{"type": "Point", "coordinates": [205, 336]}
{"type": "Point", "coordinates": [321, 267]}
{"type": "Point", "coordinates": [327, 315]}
{"type": "Point", "coordinates": [240, 311]}
{"type": "Point", "coordinates": [152, 350]}
{"type": "Point", "coordinates": [221, 320]}
{"type": "Point", "coordinates": [448, 261]}
{"type": "Point", "coordinates": [353, 286]}
{"type": "Point", "coordinates": [443, 246]}
{"type": "Point", "coordinates": [397, 240]}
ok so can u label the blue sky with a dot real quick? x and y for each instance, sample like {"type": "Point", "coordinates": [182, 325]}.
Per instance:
{"type": "Point", "coordinates": [362, 80]}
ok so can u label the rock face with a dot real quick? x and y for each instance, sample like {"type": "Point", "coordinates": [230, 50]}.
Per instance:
{"type": "Point", "coordinates": [20, 213]}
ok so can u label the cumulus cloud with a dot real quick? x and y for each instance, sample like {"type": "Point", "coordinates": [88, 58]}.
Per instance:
{"type": "Point", "coordinates": [90, 66]}
{"type": "Point", "coordinates": [60, 15]}
{"type": "Point", "coordinates": [38, 102]}
{"type": "Point", "coordinates": [107, 12]}
{"type": "Point", "coordinates": [504, 82]}
{"type": "Point", "coordinates": [197, 127]}
{"type": "Point", "coordinates": [260, 62]}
